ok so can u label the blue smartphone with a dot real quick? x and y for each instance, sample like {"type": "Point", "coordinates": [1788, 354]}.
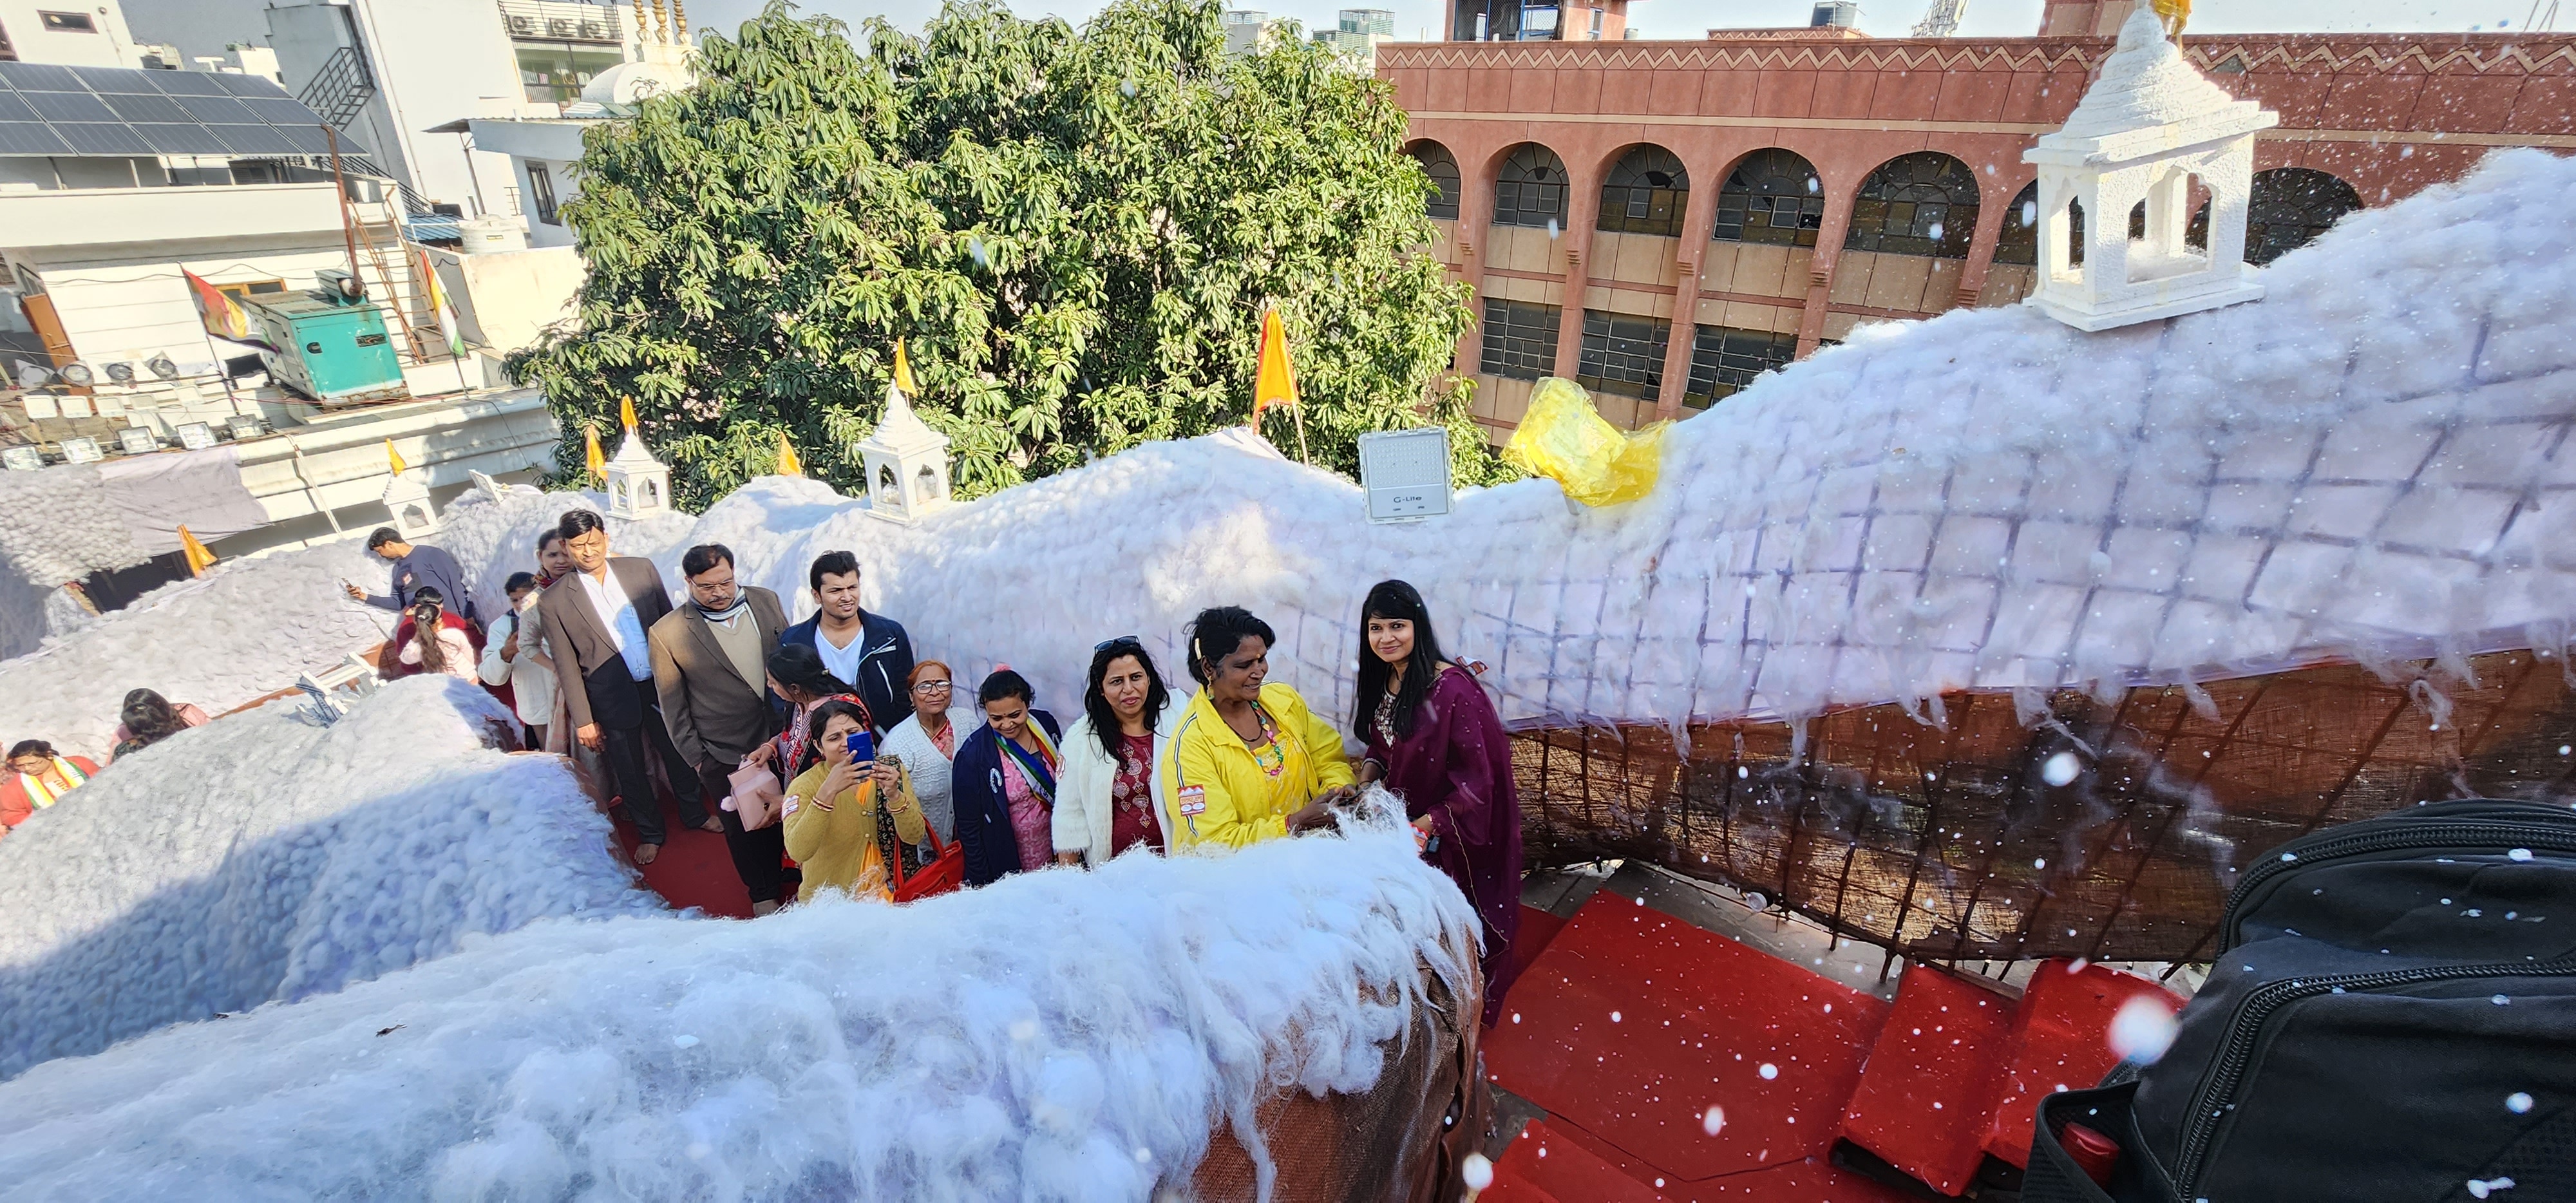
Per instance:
{"type": "Point", "coordinates": [863, 747]}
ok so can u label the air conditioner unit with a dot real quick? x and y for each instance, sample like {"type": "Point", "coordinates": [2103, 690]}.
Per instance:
{"type": "Point", "coordinates": [523, 27]}
{"type": "Point", "coordinates": [595, 32]}
{"type": "Point", "coordinates": [562, 27]}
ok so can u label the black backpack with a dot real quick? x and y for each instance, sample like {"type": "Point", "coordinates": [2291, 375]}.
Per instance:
{"type": "Point", "coordinates": [2391, 1016]}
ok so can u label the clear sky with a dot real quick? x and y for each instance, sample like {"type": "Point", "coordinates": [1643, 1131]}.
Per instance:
{"type": "Point", "coordinates": [203, 26]}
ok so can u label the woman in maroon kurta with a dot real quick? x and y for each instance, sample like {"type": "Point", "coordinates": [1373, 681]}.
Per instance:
{"type": "Point", "coordinates": [1434, 740]}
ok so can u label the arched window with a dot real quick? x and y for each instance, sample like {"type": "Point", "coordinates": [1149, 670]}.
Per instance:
{"type": "Point", "coordinates": [2019, 241]}
{"type": "Point", "coordinates": [1924, 203]}
{"type": "Point", "coordinates": [1442, 167]}
{"type": "Point", "coordinates": [1531, 190]}
{"type": "Point", "coordinates": [1772, 196]}
{"type": "Point", "coordinates": [2290, 207]}
{"type": "Point", "coordinates": [1646, 194]}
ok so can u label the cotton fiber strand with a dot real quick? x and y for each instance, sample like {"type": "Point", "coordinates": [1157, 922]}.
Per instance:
{"type": "Point", "coordinates": [1060, 1035]}
{"type": "Point", "coordinates": [265, 856]}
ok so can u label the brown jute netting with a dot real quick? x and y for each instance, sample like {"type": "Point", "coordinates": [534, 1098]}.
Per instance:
{"type": "Point", "coordinates": [1944, 839]}
{"type": "Point", "coordinates": [1402, 1142]}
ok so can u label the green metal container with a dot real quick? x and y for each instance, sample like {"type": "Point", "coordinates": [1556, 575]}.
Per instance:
{"type": "Point", "coordinates": [336, 354]}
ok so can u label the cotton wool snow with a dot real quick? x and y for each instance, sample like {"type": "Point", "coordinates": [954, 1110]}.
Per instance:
{"type": "Point", "coordinates": [1060, 1035]}
{"type": "Point", "coordinates": [2361, 464]}
{"type": "Point", "coordinates": [266, 857]}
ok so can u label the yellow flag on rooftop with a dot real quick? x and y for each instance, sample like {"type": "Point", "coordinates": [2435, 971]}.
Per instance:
{"type": "Point", "coordinates": [626, 411]}
{"type": "Point", "coordinates": [394, 459]}
{"type": "Point", "coordinates": [1276, 384]}
{"type": "Point", "coordinates": [903, 371]}
{"type": "Point", "coordinates": [591, 458]}
{"type": "Point", "coordinates": [199, 559]}
{"type": "Point", "coordinates": [788, 464]}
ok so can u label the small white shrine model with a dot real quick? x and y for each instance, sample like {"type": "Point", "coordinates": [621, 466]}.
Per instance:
{"type": "Point", "coordinates": [906, 462]}
{"type": "Point", "coordinates": [638, 485]}
{"type": "Point", "coordinates": [408, 500]}
{"type": "Point", "coordinates": [2150, 132]}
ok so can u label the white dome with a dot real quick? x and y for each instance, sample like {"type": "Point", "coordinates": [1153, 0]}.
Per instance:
{"type": "Point", "coordinates": [627, 83]}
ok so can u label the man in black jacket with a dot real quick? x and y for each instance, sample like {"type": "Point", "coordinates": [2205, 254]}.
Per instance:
{"type": "Point", "coordinates": [868, 652]}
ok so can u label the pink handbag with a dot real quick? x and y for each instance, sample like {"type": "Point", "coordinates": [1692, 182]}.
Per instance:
{"type": "Point", "coordinates": [756, 796]}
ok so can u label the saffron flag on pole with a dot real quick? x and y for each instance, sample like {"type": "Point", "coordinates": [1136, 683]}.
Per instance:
{"type": "Point", "coordinates": [394, 459]}
{"type": "Point", "coordinates": [222, 316]}
{"type": "Point", "coordinates": [903, 371]}
{"type": "Point", "coordinates": [1276, 384]}
{"type": "Point", "coordinates": [626, 411]}
{"type": "Point", "coordinates": [591, 458]}
{"type": "Point", "coordinates": [199, 559]}
{"type": "Point", "coordinates": [438, 305]}
{"type": "Point", "coordinates": [788, 464]}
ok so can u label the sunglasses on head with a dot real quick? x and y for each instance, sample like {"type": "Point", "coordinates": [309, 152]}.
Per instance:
{"type": "Point", "coordinates": [1121, 641]}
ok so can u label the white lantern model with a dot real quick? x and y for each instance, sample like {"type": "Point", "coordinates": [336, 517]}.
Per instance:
{"type": "Point", "coordinates": [638, 485]}
{"type": "Point", "coordinates": [2151, 131]}
{"type": "Point", "coordinates": [906, 462]}
{"type": "Point", "coordinates": [408, 500]}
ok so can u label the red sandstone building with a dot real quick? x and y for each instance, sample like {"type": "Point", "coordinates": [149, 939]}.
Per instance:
{"type": "Point", "coordinates": [1663, 220]}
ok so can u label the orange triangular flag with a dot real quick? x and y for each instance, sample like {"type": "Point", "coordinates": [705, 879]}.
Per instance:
{"type": "Point", "coordinates": [199, 559]}
{"type": "Point", "coordinates": [788, 464]}
{"type": "Point", "coordinates": [626, 411]}
{"type": "Point", "coordinates": [394, 459]}
{"type": "Point", "coordinates": [903, 371]}
{"type": "Point", "coordinates": [591, 458]}
{"type": "Point", "coordinates": [1277, 382]}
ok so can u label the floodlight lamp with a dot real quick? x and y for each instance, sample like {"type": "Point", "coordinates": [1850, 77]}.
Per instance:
{"type": "Point", "coordinates": [78, 375]}
{"type": "Point", "coordinates": [160, 366]}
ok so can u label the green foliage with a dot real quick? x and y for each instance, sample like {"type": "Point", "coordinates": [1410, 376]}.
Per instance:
{"type": "Point", "coordinates": [1075, 233]}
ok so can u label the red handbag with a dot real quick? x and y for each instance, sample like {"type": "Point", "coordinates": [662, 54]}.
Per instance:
{"type": "Point", "coordinates": [945, 872]}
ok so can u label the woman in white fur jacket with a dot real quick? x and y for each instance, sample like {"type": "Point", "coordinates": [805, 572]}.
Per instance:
{"type": "Point", "coordinates": [1109, 793]}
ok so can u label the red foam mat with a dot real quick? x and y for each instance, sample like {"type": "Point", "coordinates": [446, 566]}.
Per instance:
{"type": "Point", "coordinates": [1633, 1024]}
{"type": "Point", "coordinates": [1929, 1088]}
{"type": "Point", "coordinates": [2062, 1042]}
{"type": "Point", "coordinates": [1545, 1166]}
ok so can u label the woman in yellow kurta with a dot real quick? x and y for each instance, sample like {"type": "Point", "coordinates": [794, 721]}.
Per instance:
{"type": "Point", "coordinates": [832, 810]}
{"type": "Point", "coordinates": [1249, 761]}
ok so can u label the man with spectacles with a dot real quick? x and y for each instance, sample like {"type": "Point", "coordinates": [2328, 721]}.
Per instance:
{"type": "Point", "coordinates": [709, 666]}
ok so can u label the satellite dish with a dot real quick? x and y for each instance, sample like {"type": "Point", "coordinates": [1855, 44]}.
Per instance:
{"type": "Point", "coordinates": [161, 366]}
{"type": "Point", "coordinates": [31, 376]}
{"type": "Point", "coordinates": [121, 372]}
{"type": "Point", "coordinates": [77, 375]}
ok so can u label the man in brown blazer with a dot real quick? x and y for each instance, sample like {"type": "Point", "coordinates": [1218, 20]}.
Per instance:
{"type": "Point", "coordinates": [710, 664]}
{"type": "Point", "coordinates": [596, 618]}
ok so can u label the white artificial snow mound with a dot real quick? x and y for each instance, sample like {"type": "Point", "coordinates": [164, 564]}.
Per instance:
{"type": "Point", "coordinates": [264, 856]}
{"type": "Point", "coordinates": [243, 630]}
{"type": "Point", "coordinates": [2366, 462]}
{"type": "Point", "coordinates": [1060, 1035]}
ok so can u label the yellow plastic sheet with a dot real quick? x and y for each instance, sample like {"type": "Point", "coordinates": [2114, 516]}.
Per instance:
{"type": "Point", "coordinates": [1565, 440]}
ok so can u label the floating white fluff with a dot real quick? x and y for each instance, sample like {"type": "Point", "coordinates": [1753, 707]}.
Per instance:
{"type": "Point", "coordinates": [1060, 1035]}
{"type": "Point", "coordinates": [264, 856]}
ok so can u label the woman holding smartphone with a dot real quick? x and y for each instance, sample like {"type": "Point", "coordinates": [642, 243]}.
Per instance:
{"type": "Point", "coordinates": [835, 807]}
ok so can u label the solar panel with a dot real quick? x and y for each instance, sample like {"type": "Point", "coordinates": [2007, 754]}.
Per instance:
{"type": "Point", "coordinates": [52, 110]}
{"type": "Point", "coordinates": [249, 85]}
{"type": "Point", "coordinates": [103, 138]}
{"type": "Point", "coordinates": [30, 138]}
{"type": "Point", "coordinates": [140, 109]}
{"type": "Point", "coordinates": [181, 139]}
{"type": "Point", "coordinates": [46, 77]}
{"type": "Point", "coordinates": [186, 83]}
{"type": "Point", "coordinates": [259, 140]}
{"type": "Point", "coordinates": [69, 106]}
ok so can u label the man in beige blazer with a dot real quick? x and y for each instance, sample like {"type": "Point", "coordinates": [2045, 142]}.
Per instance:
{"type": "Point", "coordinates": [710, 665]}
{"type": "Point", "coordinates": [595, 621]}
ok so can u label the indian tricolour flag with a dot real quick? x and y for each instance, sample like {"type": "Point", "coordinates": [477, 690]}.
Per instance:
{"type": "Point", "coordinates": [438, 304]}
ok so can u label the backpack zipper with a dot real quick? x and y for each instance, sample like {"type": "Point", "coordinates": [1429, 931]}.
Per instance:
{"type": "Point", "coordinates": [2423, 835]}
{"type": "Point", "coordinates": [2216, 1095]}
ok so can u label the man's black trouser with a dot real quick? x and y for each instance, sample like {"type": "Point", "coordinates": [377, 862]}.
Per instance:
{"type": "Point", "coordinates": [625, 753]}
{"type": "Point", "coordinates": [758, 856]}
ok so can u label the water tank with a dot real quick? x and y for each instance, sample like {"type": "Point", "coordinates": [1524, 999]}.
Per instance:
{"type": "Point", "coordinates": [493, 232]}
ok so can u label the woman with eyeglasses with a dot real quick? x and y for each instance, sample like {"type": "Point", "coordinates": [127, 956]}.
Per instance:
{"type": "Point", "coordinates": [1435, 740]}
{"type": "Point", "coordinates": [926, 741]}
{"type": "Point", "coordinates": [1249, 761]}
{"type": "Point", "coordinates": [1111, 796]}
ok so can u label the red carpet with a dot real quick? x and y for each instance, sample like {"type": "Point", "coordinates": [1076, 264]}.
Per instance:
{"type": "Point", "coordinates": [1632, 1025]}
{"type": "Point", "coordinates": [694, 868]}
